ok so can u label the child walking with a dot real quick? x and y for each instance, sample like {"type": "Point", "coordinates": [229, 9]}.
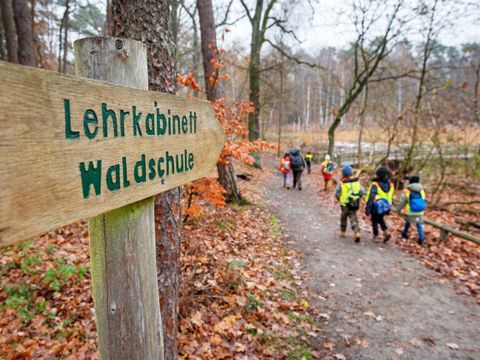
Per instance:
{"type": "Point", "coordinates": [285, 168]}
{"type": "Point", "coordinates": [327, 172]}
{"type": "Point", "coordinates": [379, 202]}
{"type": "Point", "coordinates": [348, 192]}
{"type": "Point", "coordinates": [414, 203]}
{"type": "Point", "coordinates": [308, 160]}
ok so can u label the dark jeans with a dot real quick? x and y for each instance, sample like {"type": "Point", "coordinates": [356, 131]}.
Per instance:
{"type": "Point", "coordinates": [297, 179]}
{"type": "Point", "coordinates": [378, 220]}
{"type": "Point", "coordinates": [347, 213]}
{"type": "Point", "coordinates": [421, 234]}
{"type": "Point", "coordinates": [309, 166]}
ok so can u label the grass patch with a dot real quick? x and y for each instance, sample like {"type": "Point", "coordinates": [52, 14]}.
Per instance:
{"type": "Point", "coordinates": [275, 229]}
{"type": "Point", "coordinates": [289, 295]}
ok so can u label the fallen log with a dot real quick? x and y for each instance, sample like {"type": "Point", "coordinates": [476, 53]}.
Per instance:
{"type": "Point", "coordinates": [468, 223]}
{"type": "Point", "coordinates": [445, 230]}
{"type": "Point", "coordinates": [470, 202]}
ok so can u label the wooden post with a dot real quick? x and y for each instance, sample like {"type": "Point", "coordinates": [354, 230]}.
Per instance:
{"type": "Point", "coordinates": [122, 241]}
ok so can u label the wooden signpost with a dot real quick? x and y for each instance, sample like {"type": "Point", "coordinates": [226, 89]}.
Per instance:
{"type": "Point", "coordinates": [72, 148]}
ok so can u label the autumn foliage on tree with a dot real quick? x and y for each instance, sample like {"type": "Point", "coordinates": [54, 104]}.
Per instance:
{"type": "Point", "coordinates": [233, 116]}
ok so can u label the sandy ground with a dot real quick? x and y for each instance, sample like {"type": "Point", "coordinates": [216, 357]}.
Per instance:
{"type": "Point", "coordinates": [375, 302]}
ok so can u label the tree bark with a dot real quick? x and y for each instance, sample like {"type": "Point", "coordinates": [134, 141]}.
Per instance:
{"type": "Point", "coordinates": [362, 125]}
{"type": "Point", "coordinates": [3, 49]}
{"type": "Point", "coordinates": [148, 20]}
{"type": "Point", "coordinates": [10, 31]}
{"type": "Point", "coordinates": [209, 44]}
{"type": "Point", "coordinates": [23, 24]}
{"type": "Point", "coordinates": [65, 36]}
{"type": "Point", "coordinates": [280, 110]}
{"type": "Point", "coordinates": [226, 171]}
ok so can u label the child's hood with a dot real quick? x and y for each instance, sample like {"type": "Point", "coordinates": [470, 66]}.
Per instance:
{"type": "Point", "coordinates": [417, 187]}
{"type": "Point", "coordinates": [384, 184]}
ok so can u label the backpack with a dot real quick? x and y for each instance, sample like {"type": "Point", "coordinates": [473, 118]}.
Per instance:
{"type": "Point", "coordinates": [353, 202]}
{"type": "Point", "coordinates": [381, 207]}
{"type": "Point", "coordinates": [353, 198]}
{"type": "Point", "coordinates": [417, 203]}
{"type": "Point", "coordinates": [297, 163]}
{"type": "Point", "coordinates": [329, 167]}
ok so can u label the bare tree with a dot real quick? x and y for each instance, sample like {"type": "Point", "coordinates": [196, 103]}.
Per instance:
{"type": "Point", "coordinates": [367, 54]}
{"type": "Point", "coordinates": [226, 172]}
{"type": "Point", "coordinates": [431, 33]}
{"type": "Point", "coordinates": [148, 21]}
{"type": "Point", "coordinates": [261, 18]}
{"type": "Point", "coordinates": [10, 31]}
{"type": "Point", "coordinates": [23, 24]}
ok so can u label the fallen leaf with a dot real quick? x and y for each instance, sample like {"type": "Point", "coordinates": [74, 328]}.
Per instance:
{"type": "Point", "coordinates": [453, 346]}
{"type": "Point", "coordinates": [362, 343]}
{"type": "Point", "coordinates": [328, 345]}
{"type": "Point", "coordinates": [415, 342]}
{"type": "Point", "coordinates": [339, 357]}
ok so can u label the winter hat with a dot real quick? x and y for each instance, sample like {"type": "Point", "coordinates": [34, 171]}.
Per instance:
{"type": "Point", "coordinates": [382, 173]}
{"type": "Point", "coordinates": [414, 179]}
{"type": "Point", "coordinates": [327, 157]}
{"type": "Point", "coordinates": [347, 170]}
{"type": "Point", "coordinates": [286, 154]}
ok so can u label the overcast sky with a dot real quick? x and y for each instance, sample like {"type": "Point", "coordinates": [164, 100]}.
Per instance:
{"type": "Point", "coordinates": [329, 24]}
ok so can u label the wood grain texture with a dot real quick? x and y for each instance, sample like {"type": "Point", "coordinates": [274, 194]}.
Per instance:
{"type": "Point", "coordinates": [122, 241]}
{"type": "Point", "coordinates": [124, 282]}
{"type": "Point", "coordinates": [40, 173]}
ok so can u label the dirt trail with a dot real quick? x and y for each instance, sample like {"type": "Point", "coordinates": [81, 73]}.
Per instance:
{"type": "Point", "coordinates": [376, 302]}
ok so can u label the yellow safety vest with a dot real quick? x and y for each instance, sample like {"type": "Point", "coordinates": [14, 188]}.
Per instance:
{"type": "Point", "coordinates": [309, 157]}
{"type": "Point", "coordinates": [349, 189]}
{"type": "Point", "coordinates": [382, 194]}
{"type": "Point", "coordinates": [407, 206]}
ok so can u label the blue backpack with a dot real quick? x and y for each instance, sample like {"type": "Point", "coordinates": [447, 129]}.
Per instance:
{"type": "Point", "coordinates": [329, 167]}
{"type": "Point", "coordinates": [381, 207]}
{"type": "Point", "coordinates": [417, 204]}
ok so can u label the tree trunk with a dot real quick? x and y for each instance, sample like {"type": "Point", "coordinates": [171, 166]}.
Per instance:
{"type": "Point", "coordinates": [174, 20]}
{"type": "Point", "coordinates": [209, 44]}
{"type": "Point", "coordinates": [362, 125]}
{"type": "Point", "coordinates": [280, 110]}
{"type": "Point", "coordinates": [65, 36]}
{"type": "Point", "coordinates": [228, 179]}
{"type": "Point", "coordinates": [226, 171]}
{"type": "Point", "coordinates": [108, 30]}
{"type": "Point", "coordinates": [23, 23]}
{"type": "Point", "coordinates": [196, 53]}
{"type": "Point", "coordinates": [254, 92]}
{"type": "Point", "coordinates": [60, 45]}
{"type": "Point", "coordinates": [10, 31]}
{"type": "Point", "coordinates": [3, 49]}
{"type": "Point", "coordinates": [148, 20]}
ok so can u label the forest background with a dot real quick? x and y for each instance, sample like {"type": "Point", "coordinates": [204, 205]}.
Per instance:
{"type": "Point", "coordinates": [367, 81]}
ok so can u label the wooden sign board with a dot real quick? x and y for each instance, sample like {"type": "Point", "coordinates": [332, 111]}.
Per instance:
{"type": "Point", "coordinates": [72, 148]}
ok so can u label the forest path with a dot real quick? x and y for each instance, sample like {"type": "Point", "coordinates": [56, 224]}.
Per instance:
{"type": "Point", "coordinates": [375, 301]}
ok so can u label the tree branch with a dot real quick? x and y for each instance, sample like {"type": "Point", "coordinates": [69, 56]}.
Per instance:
{"type": "Point", "coordinates": [247, 11]}
{"type": "Point", "coordinates": [293, 58]}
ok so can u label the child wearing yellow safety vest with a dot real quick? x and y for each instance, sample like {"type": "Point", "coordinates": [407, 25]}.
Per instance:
{"type": "Point", "coordinates": [308, 160]}
{"type": "Point", "coordinates": [413, 202]}
{"type": "Point", "coordinates": [379, 202]}
{"type": "Point", "coordinates": [348, 192]}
